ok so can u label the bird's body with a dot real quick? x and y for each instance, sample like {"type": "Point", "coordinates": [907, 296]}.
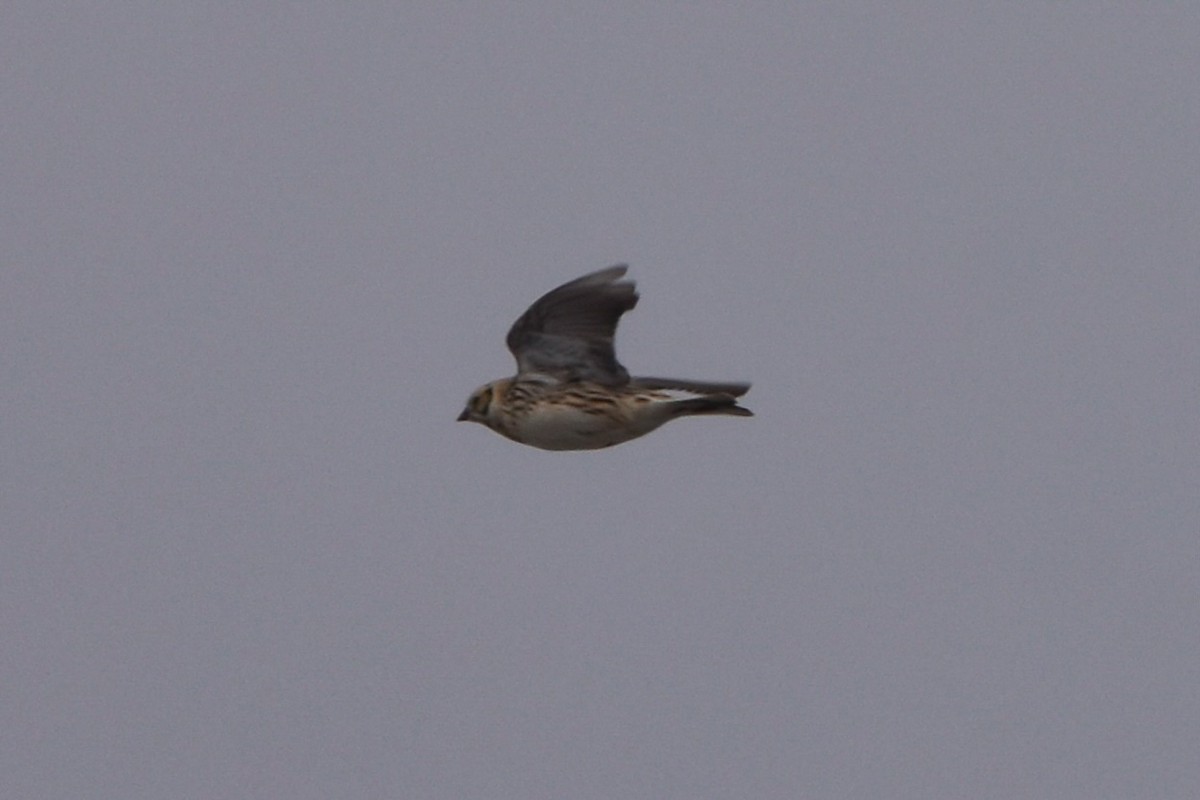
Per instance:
{"type": "Point", "coordinates": [570, 392]}
{"type": "Point", "coordinates": [588, 416]}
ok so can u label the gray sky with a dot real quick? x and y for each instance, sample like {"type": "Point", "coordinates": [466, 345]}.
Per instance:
{"type": "Point", "coordinates": [257, 255]}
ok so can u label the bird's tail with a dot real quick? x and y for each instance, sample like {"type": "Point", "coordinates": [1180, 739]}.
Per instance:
{"type": "Point", "coordinates": [710, 404]}
{"type": "Point", "coordinates": [699, 387]}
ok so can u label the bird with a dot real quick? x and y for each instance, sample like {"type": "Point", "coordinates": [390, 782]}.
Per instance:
{"type": "Point", "coordinates": [570, 392]}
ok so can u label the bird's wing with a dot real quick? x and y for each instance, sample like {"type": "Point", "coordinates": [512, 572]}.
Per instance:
{"type": "Point", "coordinates": [568, 333]}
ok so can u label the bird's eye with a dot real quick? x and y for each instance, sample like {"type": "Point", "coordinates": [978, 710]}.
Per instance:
{"type": "Point", "coordinates": [482, 401]}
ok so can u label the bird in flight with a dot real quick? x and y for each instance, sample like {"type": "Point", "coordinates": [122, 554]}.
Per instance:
{"type": "Point", "coordinates": [570, 392]}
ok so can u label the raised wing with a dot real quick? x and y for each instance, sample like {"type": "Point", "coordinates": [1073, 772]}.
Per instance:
{"type": "Point", "coordinates": [568, 333]}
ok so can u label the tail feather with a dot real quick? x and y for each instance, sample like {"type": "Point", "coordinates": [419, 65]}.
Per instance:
{"type": "Point", "coordinates": [700, 387]}
{"type": "Point", "coordinates": [710, 404]}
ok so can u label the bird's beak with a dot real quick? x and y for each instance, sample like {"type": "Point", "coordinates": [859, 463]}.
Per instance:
{"type": "Point", "coordinates": [464, 416]}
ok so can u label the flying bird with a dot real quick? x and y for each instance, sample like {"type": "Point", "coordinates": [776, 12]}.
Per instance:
{"type": "Point", "coordinates": [570, 392]}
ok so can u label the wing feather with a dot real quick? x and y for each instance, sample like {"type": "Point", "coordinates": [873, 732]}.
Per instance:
{"type": "Point", "coordinates": [568, 332]}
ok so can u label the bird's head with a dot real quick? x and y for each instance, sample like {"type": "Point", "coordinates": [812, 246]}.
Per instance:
{"type": "Point", "coordinates": [479, 404]}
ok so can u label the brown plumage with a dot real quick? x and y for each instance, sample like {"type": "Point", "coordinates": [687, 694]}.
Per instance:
{"type": "Point", "coordinates": [570, 392]}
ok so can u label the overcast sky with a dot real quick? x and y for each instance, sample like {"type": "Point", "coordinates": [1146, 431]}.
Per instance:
{"type": "Point", "coordinates": [256, 255]}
